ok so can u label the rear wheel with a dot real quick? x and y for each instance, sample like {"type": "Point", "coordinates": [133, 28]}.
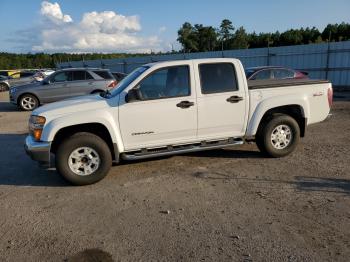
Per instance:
{"type": "Point", "coordinates": [83, 159]}
{"type": "Point", "coordinates": [28, 102]}
{"type": "Point", "coordinates": [279, 136]}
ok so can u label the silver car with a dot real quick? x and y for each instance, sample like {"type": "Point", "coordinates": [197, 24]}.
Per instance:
{"type": "Point", "coordinates": [62, 84]}
{"type": "Point", "coordinates": [16, 79]}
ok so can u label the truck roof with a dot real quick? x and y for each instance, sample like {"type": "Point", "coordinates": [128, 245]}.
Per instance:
{"type": "Point", "coordinates": [83, 68]}
{"type": "Point", "coordinates": [199, 60]}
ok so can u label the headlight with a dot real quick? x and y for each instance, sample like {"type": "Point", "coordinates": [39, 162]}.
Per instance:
{"type": "Point", "coordinates": [36, 125]}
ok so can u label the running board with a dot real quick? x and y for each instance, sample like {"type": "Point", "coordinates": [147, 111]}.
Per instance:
{"type": "Point", "coordinates": [181, 149]}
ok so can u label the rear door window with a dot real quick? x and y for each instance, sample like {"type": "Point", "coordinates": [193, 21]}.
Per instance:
{"type": "Point", "coordinates": [79, 75]}
{"type": "Point", "coordinates": [218, 78]}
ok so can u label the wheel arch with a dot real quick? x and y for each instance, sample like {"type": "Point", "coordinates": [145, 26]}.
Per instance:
{"type": "Point", "coordinates": [93, 128]}
{"type": "Point", "coordinates": [6, 84]}
{"type": "Point", "coordinates": [96, 91]}
{"type": "Point", "coordinates": [295, 111]}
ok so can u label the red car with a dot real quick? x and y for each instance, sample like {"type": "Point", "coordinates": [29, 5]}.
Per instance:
{"type": "Point", "coordinates": [273, 72]}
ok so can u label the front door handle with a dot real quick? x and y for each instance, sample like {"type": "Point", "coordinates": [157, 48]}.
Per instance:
{"type": "Point", "coordinates": [185, 104]}
{"type": "Point", "coordinates": [234, 99]}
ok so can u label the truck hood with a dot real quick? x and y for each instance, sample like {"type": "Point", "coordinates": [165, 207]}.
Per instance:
{"type": "Point", "coordinates": [72, 105]}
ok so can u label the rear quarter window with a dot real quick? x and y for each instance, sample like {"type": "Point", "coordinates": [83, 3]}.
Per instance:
{"type": "Point", "coordinates": [104, 74]}
{"type": "Point", "coordinates": [218, 78]}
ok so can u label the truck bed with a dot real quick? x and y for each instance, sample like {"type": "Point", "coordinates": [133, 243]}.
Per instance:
{"type": "Point", "coordinates": [310, 95]}
{"type": "Point", "coordinates": [274, 83]}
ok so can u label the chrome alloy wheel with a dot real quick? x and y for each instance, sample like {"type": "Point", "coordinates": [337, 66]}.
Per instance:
{"type": "Point", "coordinates": [84, 161]}
{"type": "Point", "coordinates": [28, 103]}
{"type": "Point", "coordinates": [281, 137]}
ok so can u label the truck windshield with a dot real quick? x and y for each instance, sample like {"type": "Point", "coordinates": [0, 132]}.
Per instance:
{"type": "Point", "coordinates": [127, 80]}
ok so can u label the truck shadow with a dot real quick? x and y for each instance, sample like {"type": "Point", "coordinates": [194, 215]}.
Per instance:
{"type": "Point", "coordinates": [17, 169]}
{"type": "Point", "coordinates": [300, 183]}
{"type": "Point", "coordinates": [319, 184]}
{"type": "Point", "coordinates": [234, 152]}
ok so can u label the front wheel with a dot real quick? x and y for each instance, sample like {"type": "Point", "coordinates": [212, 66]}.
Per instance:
{"type": "Point", "coordinates": [28, 102]}
{"type": "Point", "coordinates": [83, 159]}
{"type": "Point", "coordinates": [279, 136]}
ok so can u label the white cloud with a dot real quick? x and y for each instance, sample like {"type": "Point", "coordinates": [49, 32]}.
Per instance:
{"type": "Point", "coordinates": [162, 29]}
{"type": "Point", "coordinates": [109, 22]}
{"type": "Point", "coordinates": [96, 32]}
{"type": "Point", "coordinates": [54, 13]}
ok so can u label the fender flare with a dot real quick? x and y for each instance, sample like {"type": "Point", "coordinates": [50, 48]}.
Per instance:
{"type": "Point", "coordinates": [275, 102]}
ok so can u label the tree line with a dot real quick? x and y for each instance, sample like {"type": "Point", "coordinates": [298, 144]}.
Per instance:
{"type": "Point", "coordinates": [200, 38]}
{"type": "Point", "coordinates": [42, 60]}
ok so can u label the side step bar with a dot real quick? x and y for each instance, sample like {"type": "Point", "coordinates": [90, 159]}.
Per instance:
{"type": "Point", "coordinates": [181, 149]}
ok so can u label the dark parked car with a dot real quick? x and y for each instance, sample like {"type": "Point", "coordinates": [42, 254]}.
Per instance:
{"type": "Point", "coordinates": [273, 72]}
{"type": "Point", "coordinates": [60, 85]}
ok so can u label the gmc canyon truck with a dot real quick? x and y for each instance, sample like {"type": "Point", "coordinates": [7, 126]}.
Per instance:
{"type": "Point", "coordinates": [175, 107]}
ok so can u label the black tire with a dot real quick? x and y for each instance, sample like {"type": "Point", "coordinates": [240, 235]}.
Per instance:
{"type": "Point", "coordinates": [3, 87]}
{"type": "Point", "coordinates": [96, 92]}
{"type": "Point", "coordinates": [83, 140]}
{"type": "Point", "coordinates": [26, 107]}
{"type": "Point", "coordinates": [264, 136]}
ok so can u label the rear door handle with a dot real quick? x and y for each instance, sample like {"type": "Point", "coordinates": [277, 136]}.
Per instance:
{"type": "Point", "coordinates": [234, 99]}
{"type": "Point", "coordinates": [185, 104]}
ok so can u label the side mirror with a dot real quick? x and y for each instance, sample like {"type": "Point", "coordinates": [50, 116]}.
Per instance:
{"type": "Point", "coordinates": [133, 95]}
{"type": "Point", "coordinates": [46, 81]}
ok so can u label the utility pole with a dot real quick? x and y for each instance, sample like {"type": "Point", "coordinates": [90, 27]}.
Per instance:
{"type": "Point", "coordinates": [328, 53]}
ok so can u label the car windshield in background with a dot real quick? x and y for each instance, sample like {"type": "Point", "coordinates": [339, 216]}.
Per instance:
{"type": "Point", "coordinates": [104, 74]}
{"type": "Point", "coordinates": [127, 80]}
{"type": "Point", "coordinates": [249, 72]}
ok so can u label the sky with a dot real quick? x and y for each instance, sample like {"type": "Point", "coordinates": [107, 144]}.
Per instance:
{"type": "Point", "coordinates": [78, 26]}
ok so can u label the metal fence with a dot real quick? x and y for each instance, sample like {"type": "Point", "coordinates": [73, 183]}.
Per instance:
{"type": "Point", "coordinates": [322, 61]}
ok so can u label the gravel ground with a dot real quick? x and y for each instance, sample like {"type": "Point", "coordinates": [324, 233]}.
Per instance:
{"type": "Point", "coordinates": [221, 205]}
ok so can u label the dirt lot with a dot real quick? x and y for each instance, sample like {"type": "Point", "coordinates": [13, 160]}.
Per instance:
{"type": "Point", "coordinates": [222, 205]}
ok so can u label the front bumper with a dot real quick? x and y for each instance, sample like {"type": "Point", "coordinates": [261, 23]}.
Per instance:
{"type": "Point", "coordinates": [38, 151]}
{"type": "Point", "coordinates": [12, 98]}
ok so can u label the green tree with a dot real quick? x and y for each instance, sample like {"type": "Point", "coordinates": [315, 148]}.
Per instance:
{"type": "Point", "coordinates": [188, 38]}
{"type": "Point", "coordinates": [206, 37]}
{"type": "Point", "coordinates": [226, 32]}
{"type": "Point", "coordinates": [240, 39]}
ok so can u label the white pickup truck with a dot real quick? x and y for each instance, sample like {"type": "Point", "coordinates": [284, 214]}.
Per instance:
{"type": "Point", "coordinates": [172, 108]}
